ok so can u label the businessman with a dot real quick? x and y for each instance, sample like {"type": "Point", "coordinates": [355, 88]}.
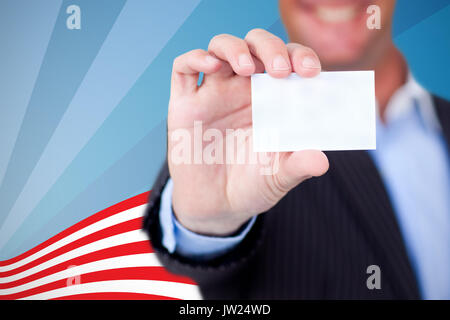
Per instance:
{"type": "Point", "coordinates": [334, 225]}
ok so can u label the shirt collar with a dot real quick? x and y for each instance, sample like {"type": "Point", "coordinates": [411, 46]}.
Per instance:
{"type": "Point", "coordinates": [408, 96]}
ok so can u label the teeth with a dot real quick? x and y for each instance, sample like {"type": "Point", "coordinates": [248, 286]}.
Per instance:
{"type": "Point", "coordinates": [342, 14]}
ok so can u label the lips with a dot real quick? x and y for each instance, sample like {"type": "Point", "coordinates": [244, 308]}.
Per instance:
{"type": "Point", "coordinates": [334, 11]}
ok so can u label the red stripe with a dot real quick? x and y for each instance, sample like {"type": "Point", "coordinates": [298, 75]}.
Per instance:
{"type": "Point", "coordinates": [133, 273]}
{"type": "Point", "coordinates": [126, 226]}
{"type": "Point", "coordinates": [115, 296]}
{"type": "Point", "coordinates": [116, 251]}
{"type": "Point", "coordinates": [105, 213]}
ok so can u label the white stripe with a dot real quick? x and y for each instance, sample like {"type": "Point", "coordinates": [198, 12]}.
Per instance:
{"type": "Point", "coordinates": [135, 260]}
{"type": "Point", "coordinates": [118, 239]}
{"type": "Point", "coordinates": [99, 225]}
{"type": "Point", "coordinates": [162, 288]}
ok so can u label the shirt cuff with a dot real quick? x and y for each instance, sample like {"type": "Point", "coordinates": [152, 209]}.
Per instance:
{"type": "Point", "coordinates": [176, 238]}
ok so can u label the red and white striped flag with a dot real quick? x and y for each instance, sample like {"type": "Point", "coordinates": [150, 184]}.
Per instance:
{"type": "Point", "coordinates": [105, 256]}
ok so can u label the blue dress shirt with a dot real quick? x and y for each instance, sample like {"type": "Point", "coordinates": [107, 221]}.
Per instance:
{"type": "Point", "coordinates": [413, 161]}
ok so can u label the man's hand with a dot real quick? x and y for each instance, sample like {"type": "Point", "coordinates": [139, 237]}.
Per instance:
{"type": "Point", "coordinates": [216, 199]}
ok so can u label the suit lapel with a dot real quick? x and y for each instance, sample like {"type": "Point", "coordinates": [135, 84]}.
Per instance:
{"type": "Point", "coordinates": [361, 184]}
{"type": "Point", "coordinates": [442, 108]}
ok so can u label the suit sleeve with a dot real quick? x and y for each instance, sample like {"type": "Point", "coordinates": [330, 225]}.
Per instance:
{"type": "Point", "coordinates": [223, 277]}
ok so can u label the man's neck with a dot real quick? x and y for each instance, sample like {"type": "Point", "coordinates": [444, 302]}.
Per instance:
{"type": "Point", "coordinates": [390, 74]}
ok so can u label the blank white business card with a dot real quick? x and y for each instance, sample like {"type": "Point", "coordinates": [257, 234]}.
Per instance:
{"type": "Point", "coordinates": [333, 111]}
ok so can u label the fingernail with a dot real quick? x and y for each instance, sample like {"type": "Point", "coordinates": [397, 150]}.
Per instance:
{"type": "Point", "coordinates": [310, 63]}
{"type": "Point", "coordinates": [211, 59]}
{"type": "Point", "coordinates": [245, 61]}
{"type": "Point", "coordinates": [280, 64]}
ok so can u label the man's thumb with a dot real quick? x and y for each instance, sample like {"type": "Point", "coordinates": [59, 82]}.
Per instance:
{"type": "Point", "coordinates": [298, 166]}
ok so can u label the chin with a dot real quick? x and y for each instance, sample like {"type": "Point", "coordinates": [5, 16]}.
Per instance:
{"type": "Point", "coordinates": [333, 59]}
{"type": "Point", "coordinates": [335, 30]}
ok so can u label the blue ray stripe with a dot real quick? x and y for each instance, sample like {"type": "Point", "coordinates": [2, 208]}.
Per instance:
{"type": "Point", "coordinates": [118, 183]}
{"type": "Point", "coordinates": [429, 65]}
{"type": "Point", "coordinates": [411, 12]}
{"type": "Point", "coordinates": [68, 57]}
{"type": "Point", "coordinates": [131, 45]}
{"type": "Point", "coordinates": [146, 104]}
{"type": "Point", "coordinates": [24, 36]}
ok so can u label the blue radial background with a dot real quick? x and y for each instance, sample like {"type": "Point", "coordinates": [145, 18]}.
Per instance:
{"type": "Point", "coordinates": [82, 112]}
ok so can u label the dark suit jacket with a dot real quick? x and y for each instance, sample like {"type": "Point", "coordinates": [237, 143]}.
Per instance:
{"type": "Point", "coordinates": [316, 243]}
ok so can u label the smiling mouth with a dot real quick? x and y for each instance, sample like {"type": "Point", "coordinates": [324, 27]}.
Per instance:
{"type": "Point", "coordinates": [336, 14]}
